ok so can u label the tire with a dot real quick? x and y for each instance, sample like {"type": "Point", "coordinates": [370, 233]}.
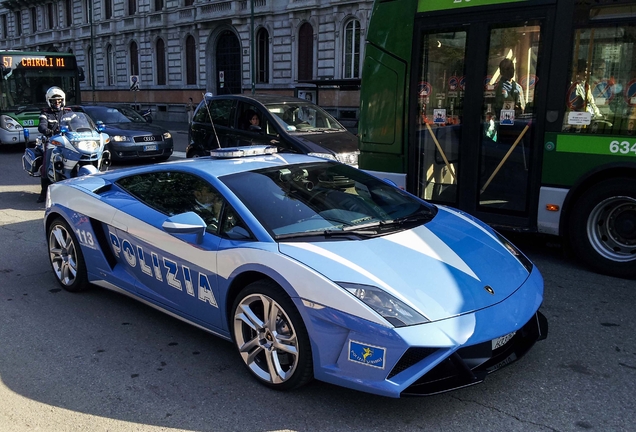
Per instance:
{"type": "Point", "coordinates": [602, 229]}
{"type": "Point", "coordinates": [280, 357]}
{"type": "Point", "coordinates": [65, 255]}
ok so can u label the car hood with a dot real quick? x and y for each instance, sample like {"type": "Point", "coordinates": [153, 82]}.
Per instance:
{"type": "Point", "coordinates": [337, 142]}
{"type": "Point", "coordinates": [441, 268]}
{"type": "Point", "coordinates": [137, 127]}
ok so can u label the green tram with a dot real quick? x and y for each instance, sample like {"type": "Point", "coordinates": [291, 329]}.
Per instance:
{"type": "Point", "coordinates": [25, 78]}
{"type": "Point", "coordinates": [519, 112]}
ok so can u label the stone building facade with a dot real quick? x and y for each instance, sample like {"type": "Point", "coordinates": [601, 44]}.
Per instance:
{"type": "Point", "coordinates": [183, 48]}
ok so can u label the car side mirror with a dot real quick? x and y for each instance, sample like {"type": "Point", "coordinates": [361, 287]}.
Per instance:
{"type": "Point", "coordinates": [186, 223]}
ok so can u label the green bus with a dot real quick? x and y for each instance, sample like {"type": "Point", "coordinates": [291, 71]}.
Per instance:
{"type": "Point", "coordinates": [26, 76]}
{"type": "Point", "coordinates": [519, 112]}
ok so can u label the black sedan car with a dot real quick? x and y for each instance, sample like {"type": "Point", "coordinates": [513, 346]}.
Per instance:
{"type": "Point", "coordinates": [291, 124]}
{"type": "Point", "coordinates": [131, 137]}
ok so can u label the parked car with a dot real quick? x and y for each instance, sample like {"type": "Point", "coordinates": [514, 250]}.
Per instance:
{"type": "Point", "coordinates": [292, 124]}
{"type": "Point", "coordinates": [311, 268]}
{"type": "Point", "coordinates": [132, 137]}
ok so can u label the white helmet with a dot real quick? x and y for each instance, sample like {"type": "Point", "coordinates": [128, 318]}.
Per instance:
{"type": "Point", "coordinates": [53, 95]}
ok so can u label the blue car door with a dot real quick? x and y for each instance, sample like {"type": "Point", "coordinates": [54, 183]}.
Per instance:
{"type": "Point", "coordinates": [177, 272]}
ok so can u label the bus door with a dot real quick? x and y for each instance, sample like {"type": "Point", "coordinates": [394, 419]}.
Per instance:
{"type": "Point", "coordinates": [475, 104]}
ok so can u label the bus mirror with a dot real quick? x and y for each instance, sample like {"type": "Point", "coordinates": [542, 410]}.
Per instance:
{"type": "Point", "coordinates": [5, 70]}
{"type": "Point", "coordinates": [80, 71]}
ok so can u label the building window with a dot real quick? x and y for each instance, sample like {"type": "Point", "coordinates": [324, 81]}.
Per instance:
{"type": "Point", "coordinates": [158, 5]}
{"type": "Point", "coordinates": [88, 10]}
{"type": "Point", "coordinates": [34, 19]}
{"type": "Point", "coordinates": [50, 12]}
{"type": "Point", "coordinates": [305, 52]}
{"type": "Point", "coordinates": [262, 56]}
{"type": "Point", "coordinates": [5, 34]}
{"type": "Point", "coordinates": [108, 9]}
{"type": "Point", "coordinates": [161, 62]}
{"type": "Point", "coordinates": [18, 23]}
{"type": "Point", "coordinates": [352, 50]}
{"type": "Point", "coordinates": [191, 61]}
{"type": "Point", "coordinates": [189, 2]}
{"type": "Point", "coordinates": [110, 65]}
{"type": "Point", "coordinates": [132, 7]}
{"type": "Point", "coordinates": [68, 10]}
{"type": "Point", "coordinates": [134, 58]}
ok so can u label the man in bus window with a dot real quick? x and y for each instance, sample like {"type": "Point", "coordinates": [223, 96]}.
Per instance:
{"type": "Point", "coordinates": [509, 93]}
{"type": "Point", "coordinates": [582, 100]}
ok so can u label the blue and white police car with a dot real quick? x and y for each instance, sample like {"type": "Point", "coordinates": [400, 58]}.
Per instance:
{"type": "Point", "coordinates": [313, 269]}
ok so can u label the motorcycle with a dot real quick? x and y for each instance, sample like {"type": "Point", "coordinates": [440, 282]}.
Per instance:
{"type": "Point", "coordinates": [78, 149]}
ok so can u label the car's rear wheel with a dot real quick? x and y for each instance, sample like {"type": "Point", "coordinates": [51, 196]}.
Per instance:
{"type": "Point", "coordinates": [66, 257]}
{"type": "Point", "coordinates": [271, 337]}
{"type": "Point", "coordinates": [603, 227]}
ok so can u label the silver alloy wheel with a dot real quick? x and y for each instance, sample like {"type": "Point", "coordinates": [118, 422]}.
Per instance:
{"type": "Point", "coordinates": [63, 255]}
{"type": "Point", "coordinates": [611, 228]}
{"type": "Point", "coordinates": [266, 338]}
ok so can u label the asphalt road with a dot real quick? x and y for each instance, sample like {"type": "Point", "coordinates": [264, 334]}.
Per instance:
{"type": "Point", "coordinates": [99, 361]}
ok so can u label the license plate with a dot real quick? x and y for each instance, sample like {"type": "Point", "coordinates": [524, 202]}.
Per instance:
{"type": "Point", "coordinates": [151, 147]}
{"type": "Point", "coordinates": [501, 341]}
{"type": "Point", "coordinates": [28, 122]}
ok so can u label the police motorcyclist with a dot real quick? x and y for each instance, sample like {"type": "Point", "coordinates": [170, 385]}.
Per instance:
{"type": "Point", "coordinates": [50, 119]}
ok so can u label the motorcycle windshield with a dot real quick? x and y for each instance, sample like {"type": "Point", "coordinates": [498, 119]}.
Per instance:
{"type": "Point", "coordinates": [77, 122]}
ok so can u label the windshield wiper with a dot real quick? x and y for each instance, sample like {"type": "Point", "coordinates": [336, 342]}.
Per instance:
{"type": "Point", "coordinates": [328, 234]}
{"type": "Point", "coordinates": [417, 218]}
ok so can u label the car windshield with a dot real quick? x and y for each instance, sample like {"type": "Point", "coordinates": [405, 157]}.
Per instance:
{"type": "Point", "coordinates": [77, 122]}
{"type": "Point", "coordinates": [326, 199]}
{"type": "Point", "coordinates": [110, 115]}
{"type": "Point", "coordinates": [304, 117]}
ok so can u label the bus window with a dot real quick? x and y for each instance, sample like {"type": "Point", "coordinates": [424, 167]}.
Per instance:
{"type": "Point", "coordinates": [440, 94]}
{"type": "Point", "coordinates": [507, 113]}
{"type": "Point", "coordinates": [601, 94]}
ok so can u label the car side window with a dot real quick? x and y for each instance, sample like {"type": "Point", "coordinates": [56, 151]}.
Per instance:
{"type": "Point", "coordinates": [219, 109]}
{"type": "Point", "coordinates": [173, 193]}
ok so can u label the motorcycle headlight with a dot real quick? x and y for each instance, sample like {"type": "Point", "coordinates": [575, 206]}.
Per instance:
{"type": "Point", "coordinates": [393, 310]}
{"type": "Point", "coordinates": [89, 146]}
{"type": "Point", "coordinates": [9, 123]}
{"type": "Point", "coordinates": [120, 138]}
{"type": "Point", "coordinates": [167, 135]}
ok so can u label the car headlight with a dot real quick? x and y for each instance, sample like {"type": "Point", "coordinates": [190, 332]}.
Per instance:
{"type": "Point", "coordinates": [323, 155]}
{"type": "Point", "coordinates": [120, 138]}
{"type": "Point", "coordinates": [9, 123]}
{"type": "Point", "coordinates": [515, 252]}
{"type": "Point", "coordinates": [167, 135]}
{"type": "Point", "coordinates": [87, 145]}
{"type": "Point", "coordinates": [348, 158]}
{"type": "Point", "coordinates": [393, 310]}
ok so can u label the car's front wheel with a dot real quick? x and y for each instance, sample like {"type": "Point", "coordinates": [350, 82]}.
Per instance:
{"type": "Point", "coordinates": [270, 336]}
{"type": "Point", "coordinates": [66, 257]}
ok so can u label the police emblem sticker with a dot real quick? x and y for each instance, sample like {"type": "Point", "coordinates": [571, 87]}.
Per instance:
{"type": "Point", "coordinates": [368, 355]}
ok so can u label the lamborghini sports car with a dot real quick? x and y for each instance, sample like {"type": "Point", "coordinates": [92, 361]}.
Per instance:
{"type": "Point", "coordinates": [312, 268]}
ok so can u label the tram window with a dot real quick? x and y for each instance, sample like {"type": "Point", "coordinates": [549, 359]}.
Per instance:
{"type": "Point", "coordinates": [601, 94]}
